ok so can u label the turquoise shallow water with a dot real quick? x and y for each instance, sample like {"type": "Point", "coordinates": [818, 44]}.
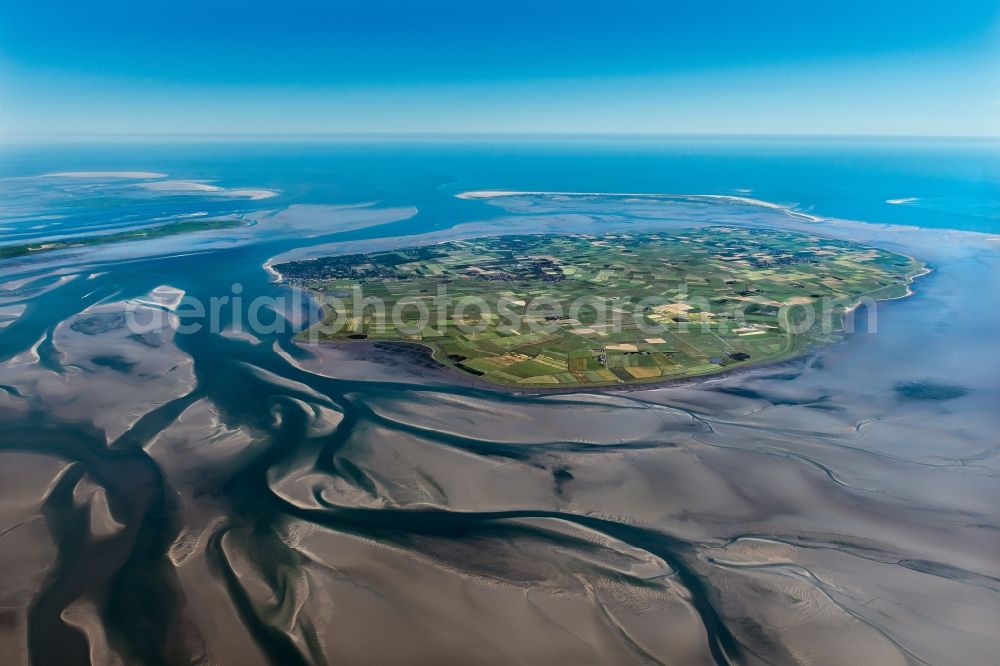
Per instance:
{"type": "Point", "coordinates": [245, 500]}
{"type": "Point", "coordinates": [938, 183]}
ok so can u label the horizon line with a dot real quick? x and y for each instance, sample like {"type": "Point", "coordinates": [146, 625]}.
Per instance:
{"type": "Point", "coordinates": [363, 135]}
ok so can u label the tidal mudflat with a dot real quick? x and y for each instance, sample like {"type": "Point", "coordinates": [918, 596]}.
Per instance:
{"type": "Point", "coordinates": [211, 497]}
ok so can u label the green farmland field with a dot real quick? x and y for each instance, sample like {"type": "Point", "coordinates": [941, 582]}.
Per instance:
{"type": "Point", "coordinates": [581, 310]}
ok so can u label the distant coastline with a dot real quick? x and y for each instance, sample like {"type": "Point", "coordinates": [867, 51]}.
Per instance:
{"type": "Point", "coordinates": [494, 194]}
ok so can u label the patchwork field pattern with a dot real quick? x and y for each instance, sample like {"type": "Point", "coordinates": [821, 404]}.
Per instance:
{"type": "Point", "coordinates": [579, 310]}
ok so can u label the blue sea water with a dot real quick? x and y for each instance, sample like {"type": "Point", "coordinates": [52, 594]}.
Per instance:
{"type": "Point", "coordinates": [940, 183]}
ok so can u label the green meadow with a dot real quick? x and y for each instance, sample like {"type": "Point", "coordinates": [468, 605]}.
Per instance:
{"type": "Point", "coordinates": [583, 310]}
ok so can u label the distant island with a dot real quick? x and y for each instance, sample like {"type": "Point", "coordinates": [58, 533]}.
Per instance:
{"type": "Point", "coordinates": [78, 209]}
{"type": "Point", "coordinates": [145, 233]}
{"type": "Point", "coordinates": [590, 310]}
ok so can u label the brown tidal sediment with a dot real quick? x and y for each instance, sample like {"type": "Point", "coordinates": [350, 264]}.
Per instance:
{"type": "Point", "coordinates": [27, 550]}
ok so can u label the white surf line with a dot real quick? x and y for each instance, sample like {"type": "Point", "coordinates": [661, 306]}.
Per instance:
{"type": "Point", "coordinates": [269, 267]}
{"type": "Point", "coordinates": [493, 194]}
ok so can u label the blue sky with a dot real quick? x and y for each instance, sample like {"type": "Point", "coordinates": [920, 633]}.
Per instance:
{"type": "Point", "coordinates": [309, 66]}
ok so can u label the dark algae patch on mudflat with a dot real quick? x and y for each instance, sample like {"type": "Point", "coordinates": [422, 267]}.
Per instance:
{"type": "Point", "coordinates": [929, 390]}
{"type": "Point", "coordinates": [579, 310]}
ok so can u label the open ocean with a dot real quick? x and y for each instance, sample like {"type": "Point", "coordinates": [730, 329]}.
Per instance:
{"type": "Point", "coordinates": [942, 183]}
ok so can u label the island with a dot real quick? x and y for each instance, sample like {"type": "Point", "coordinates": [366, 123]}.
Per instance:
{"type": "Point", "coordinates": [142, 233]}
{"type": "Point", "coordinates": [577, 310]}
